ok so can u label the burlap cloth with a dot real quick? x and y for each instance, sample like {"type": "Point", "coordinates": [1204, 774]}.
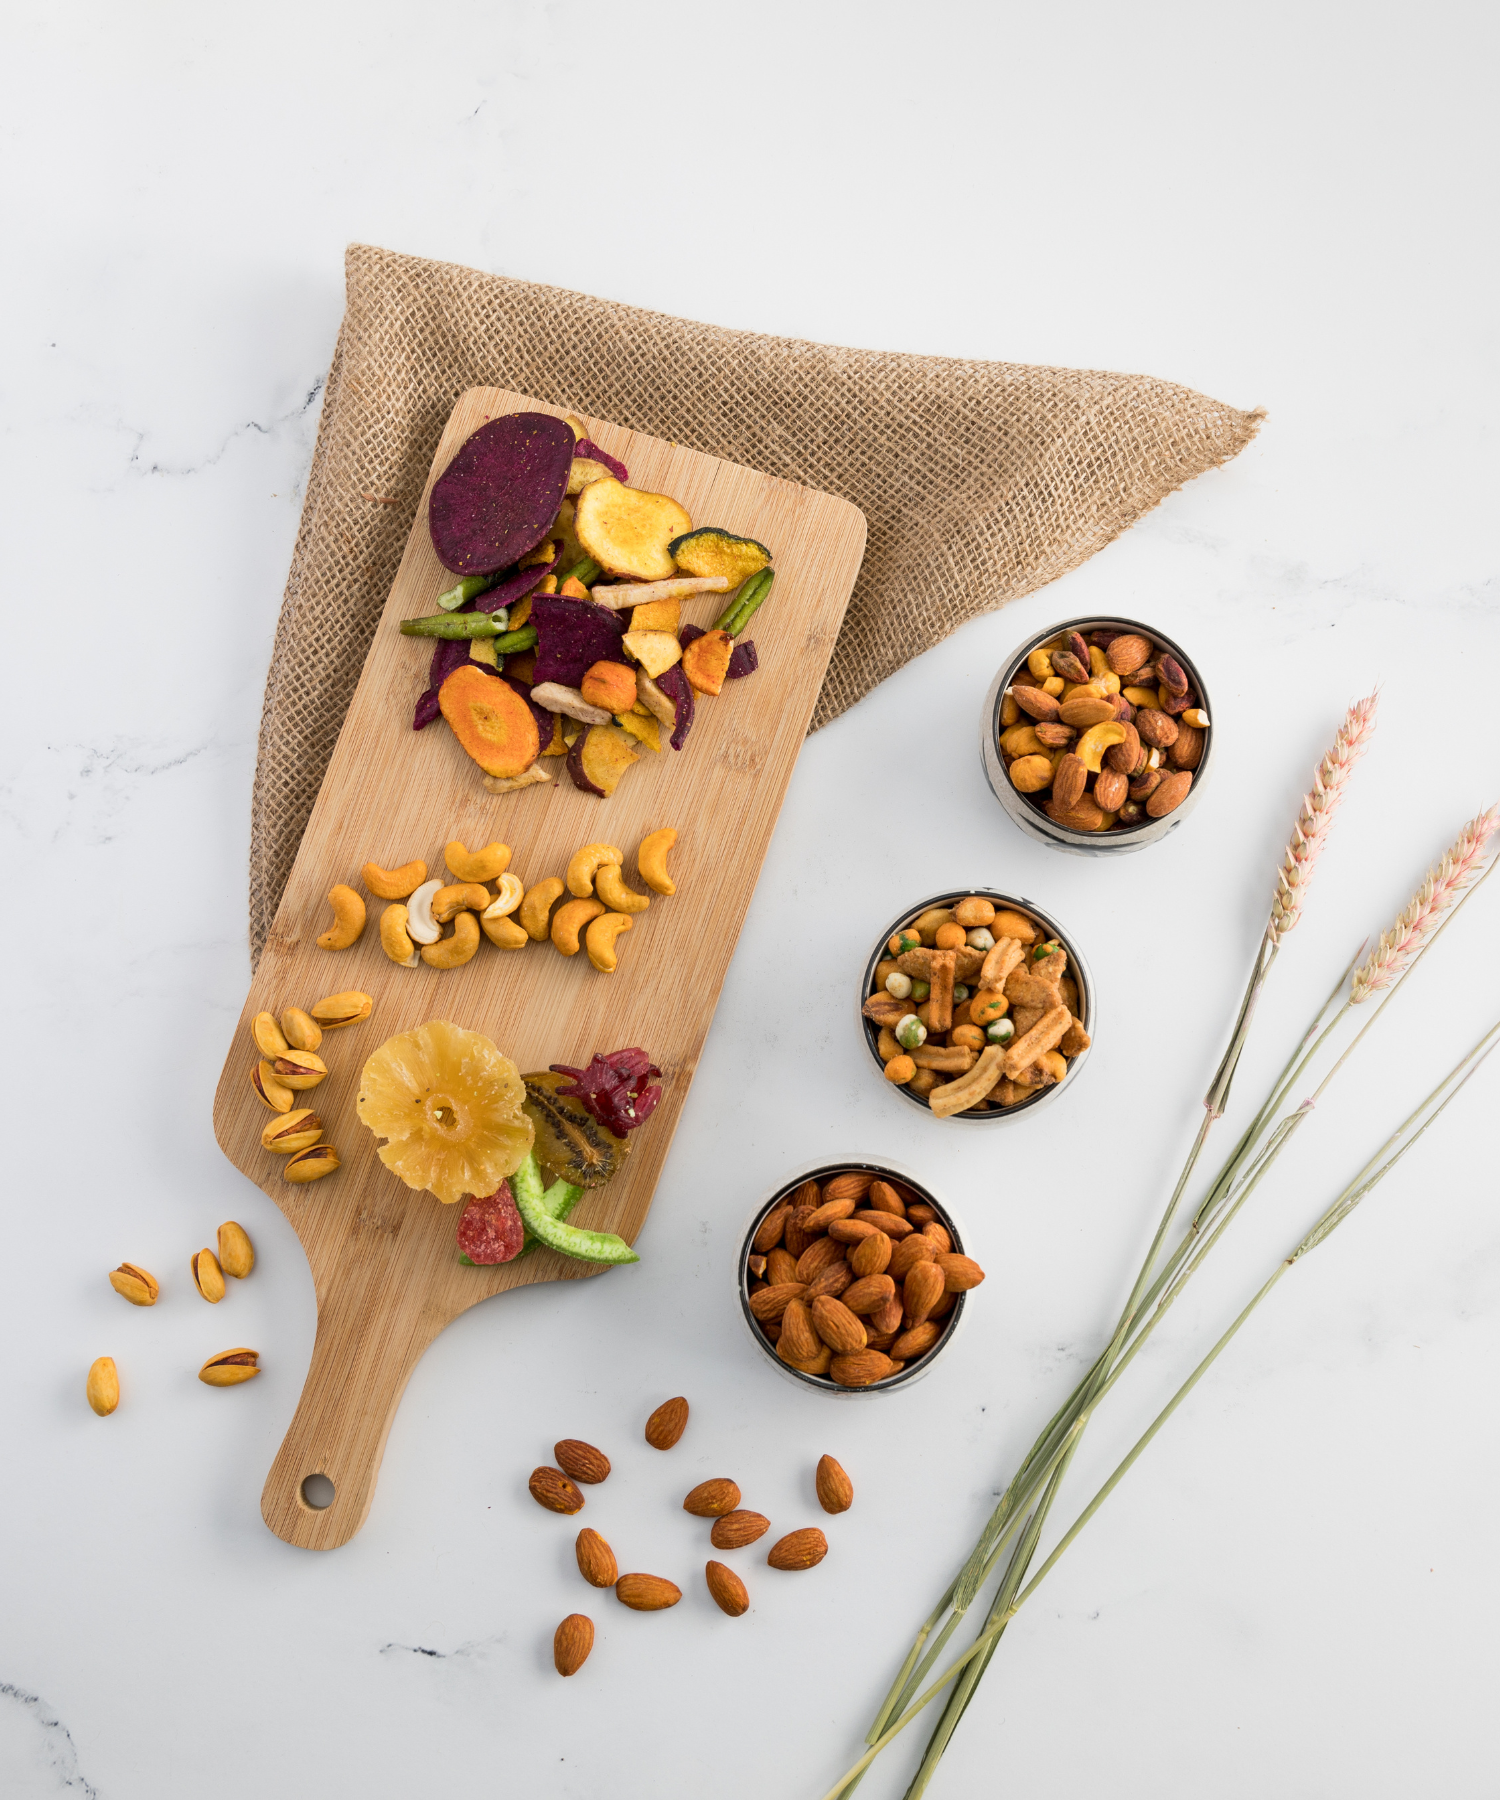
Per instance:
{"type": "Point", "coordinates": [980, 480]}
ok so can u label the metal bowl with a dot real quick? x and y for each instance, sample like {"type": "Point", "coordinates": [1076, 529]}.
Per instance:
{"type": "Point", "coordinates": [1032, 820]}
{"type": "Point", "coordinates": [882, 1170]}
{"type": "Point", "coordinates": [1077, 968]}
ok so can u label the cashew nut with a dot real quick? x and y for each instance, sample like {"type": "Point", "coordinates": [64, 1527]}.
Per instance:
{"type": "Point", "coordinates": [300, 1031]}
{"type": "Point", "coordinates": [420, 924]}
{"type": "Point", "coordinates": [503, 932]}
{"type": "Point", "coordinates": [1095, 741]}
{"type": "Point", "coordinates": [507, 900]}
{"type": "Point", "coordinates": [348, 919]}
{"type": "Point", "coordinates": [570, 920]}
{"type": "Point", "coordinates": [968, 1090]}
{"type": "Point", "coordinates": [536, 906]}
{"type": "Point", "coordinates": [600, 939]}
{"type": "Point", "coordinates": [651, 860]}
{"type": "Point", "coordinates": [586, 864]}
{"type": "Point", "coordinates": [394, 884]}
{"type": "Point", "coordinates": [610, 886]}
{"type": "Point", "coordinates": [476, 865]}
{"type": "Point", "coordinates": [394, 939]}
{"type": "Point", "coordinates": [451, 953]}
{"type": "Point", "coordinates": [268, 1035]}
{"type": "Point", "coordinates": [466, 896]}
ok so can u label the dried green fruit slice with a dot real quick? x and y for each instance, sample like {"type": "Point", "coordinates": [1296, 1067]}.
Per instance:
{"type": "Point", "coordinates": [571, 1145]}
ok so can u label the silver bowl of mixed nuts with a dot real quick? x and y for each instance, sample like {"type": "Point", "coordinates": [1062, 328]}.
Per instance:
{"type": "Point", "coordinates": [852, 1277]}
{"type": "Point", "coordinates": [1095, 736]}
{"type": "Point", "coordinates": [976, 1005]}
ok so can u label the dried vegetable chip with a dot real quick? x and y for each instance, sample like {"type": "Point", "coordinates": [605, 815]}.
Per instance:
{"type": "Point", "coordinates": [571, 636]}
{"type": "Point", "coordinates": [674, 684]}
{"type": "Point", "coordinates": [514, 587]}
{"type": "Point", "coordinates": [587, 447]}
{"type": "Point", "coordinates": [496, 499]}
{"type": "Point", "coordinates": [744, 661]}
{"type": "Point", "coordinates": [450, 654]}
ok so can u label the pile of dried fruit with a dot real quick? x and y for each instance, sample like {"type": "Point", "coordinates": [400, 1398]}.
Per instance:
{"type": "Point", "coordinates": [290, 1065]}
{"type": "Point", "coordinates": [559, 1489]}
{"type": "Point", "coordinates": [1102, 733]}
{"type": "Point", "coordinates": [853, 1280]}
{"type": "Point", "coordinates": [601, 909]}
{"type": "Point", "coordinates": [973, 1008]}
{"type": "Point", "coordinates": [533, 656]}
{"type": "Point", "coordinates": [140, 1287]}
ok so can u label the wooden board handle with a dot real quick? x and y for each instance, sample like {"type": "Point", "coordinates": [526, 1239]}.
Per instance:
{"type": "Point", "coordinates": [363, 1356]}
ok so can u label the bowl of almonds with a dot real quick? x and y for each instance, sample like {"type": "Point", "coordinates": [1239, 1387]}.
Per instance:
{"type": "Point", "coordinates": [976, 1006]}
{"type": "Point", "coordinates": [852, 1278]}
{"type": "Point", "coordinates": [1095, 736]}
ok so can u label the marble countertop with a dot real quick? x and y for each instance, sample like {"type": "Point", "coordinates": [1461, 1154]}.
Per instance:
{"type": "Point", "coordinates": [1292, 1592]}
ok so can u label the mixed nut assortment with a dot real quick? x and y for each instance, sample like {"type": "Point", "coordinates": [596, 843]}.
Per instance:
{"type": "Point", "coordinates": [1102, 732]}
{"type": "Point", "coordinates": [601, 907]}
{"type": "Point", "coordinates": [852, 1280]}
{"type": "Point", "coordinates": [140, 1287]}
{"type": "Point", "coordinates": [973, 1008]}
{"type": "Point", "coordinates": [559, 1489]}
{"type": "Point", "coordinates": [534, 657]}
{"type": "Point", "coordinates": [290, 1065]}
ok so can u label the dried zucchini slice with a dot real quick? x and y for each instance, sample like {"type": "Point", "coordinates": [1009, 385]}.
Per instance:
{"type": "Point", "coordinates": [710, 551]}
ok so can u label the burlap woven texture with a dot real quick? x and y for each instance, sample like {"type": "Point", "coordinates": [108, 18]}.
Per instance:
{"type": "Point", "coordinates": [980, 480]}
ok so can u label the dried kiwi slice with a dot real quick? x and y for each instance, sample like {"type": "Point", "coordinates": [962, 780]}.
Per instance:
{"type": "Point", "coordinates": [571, 1145]}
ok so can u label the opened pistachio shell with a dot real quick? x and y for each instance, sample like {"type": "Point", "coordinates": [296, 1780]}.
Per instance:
{"type": "Point", "coordinates": [275, 1093]}
{"type": "Point", "coordinates": [134, 1284]}
{"type": "Point", "coordinates": [311, 1165]}
{"type": "Point", "coordinates": [208, 1277]}
{"type": "Point", "coordinates": [236, 1252]}
{"type": "Point", "coordinates": [299, 1129]}
{"type": "Point", "coordinates": [230, 1367]}
{"type": "Point", "coordinates": [102, 1390]}
{"type": "Point", "coordinates": [298, 1069]}
{"type": "Point", "coordinates": [300, 1029]}
{"type": "Point", "coordinates": [269, 1039]}
{"type": "Point", "coordinates": [338, 1010]}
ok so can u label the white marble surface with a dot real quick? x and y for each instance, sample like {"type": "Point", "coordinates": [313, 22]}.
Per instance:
{"type": "Point", "coordinates": [1294, 1593]}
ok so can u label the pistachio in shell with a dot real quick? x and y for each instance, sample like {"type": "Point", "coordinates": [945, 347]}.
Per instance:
{"type": "Point", "coordinates": [571, 1144]}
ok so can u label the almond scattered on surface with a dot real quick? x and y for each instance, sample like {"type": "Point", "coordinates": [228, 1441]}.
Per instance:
{"type": "Point", "coordinates": [712, 1499]}
{"type": "Point", "coordinates": [580, 1460]}
{"type": "Point", "coordinates": [727, 1589]}
{"type": "Point", "coordinates": [667, 1424]}
{"type": "Point", "coordinates": [647, 1593]}
{"type": "Point", "coordinates": [571, 1643]}
{"type": "Point", "coordinates": [552, 1489]}
{"type": "Point", "coordinates": [736, 1529]}
{"type": "Point", "coordinates": [596, 1561]}
{"type": "Point", "coordinates": [835, 1489]}
{"type": "Point", "coordinates": [798, 1549]}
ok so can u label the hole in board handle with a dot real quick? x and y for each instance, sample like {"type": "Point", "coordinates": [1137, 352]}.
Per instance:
{"type": "Point", "coordinates": [318, 1492]}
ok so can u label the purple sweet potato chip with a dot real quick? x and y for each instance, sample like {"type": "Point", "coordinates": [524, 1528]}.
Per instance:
{"type": "Point", "coordinates": [690, 634]}
{"type": "Point", "coordinates": [497, 498]}
{"type": "Point", "coordinates": [576, 769]}
{"type": "Point", "coordinates": [449, 654]}
{"type": "Point", "coordinates": [571, 636]}
{"type": "Point", "coordinates": [675, 685]}
{"type": "Point", "coordinates": [513, 588]}
{"type": "Point", "coordinates": [743, 661]}
{"type": "Point", "coordinates": [587, 447]}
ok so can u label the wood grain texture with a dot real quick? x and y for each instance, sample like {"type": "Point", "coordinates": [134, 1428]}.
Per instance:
{"type": "Point", "coordinates": [384, 1262]}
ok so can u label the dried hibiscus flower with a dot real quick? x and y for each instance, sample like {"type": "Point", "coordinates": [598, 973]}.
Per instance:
{"type": "Point", "coordinates": [615, 1089]}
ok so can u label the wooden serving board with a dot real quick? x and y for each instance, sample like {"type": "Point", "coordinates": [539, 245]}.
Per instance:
{"type": "Point", "coordinates": [384, 1261]}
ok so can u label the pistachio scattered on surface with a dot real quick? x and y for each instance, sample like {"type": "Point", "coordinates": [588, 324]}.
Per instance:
{"type": "Point", "coordinates": [311, 1165]}
{"type": "Point", "coordinates": [236, 1252]}
{"type": "Point", "coordinates": [337, 1010]}
{"type": "Point", "coordinates": [208, 1277]}
{"type": "Point", "coordinates": [298, 1069]}
{"type": "Point", "coordinates": [134, 1284]}
{"type": "Point", "coordinates": [274, 1093]}
{"type": "Point", "coordinates": [268, 1035]}
{"type": "Point", "coordinates": [229, 1368]}
{"type": "Point", "coordinates": [299, 1129]}
{"type": "Point", "coordinates": [300, 1029]}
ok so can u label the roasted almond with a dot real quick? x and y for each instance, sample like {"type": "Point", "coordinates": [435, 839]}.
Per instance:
{"type": "Point", "coordinates": [850, 1231]}
{"type": "Point", "coordinates": [781, 1266]}
{"type": "Point", "coordinates": [571, 1643]}
{"type": "Point", "coordinates": [939, 1235]}
{"type": "Point", "coordinates": [884, 1198]}
{"type": "Point", "coordinates": [960, 1273]}
{"type": "Point", "coordinates": [712, 1499]}
{"type": "Point", "coordinates": [853, 1185]}
{"type": "Point", "coordinates": [885, 1321]}
{"type": "Point", "coordinates": [862, 1369]}
{"type": "Point", "coordinates": [817, 1365]}
{"type": "Point", "coordinates": [1127, 653]}
{"type": "Point", "coordinates": [580, 1460]}
{"type": "Point", "coordinates": [1170, 795]}
{"type": "Point", "coordinates": [596, 1561]}
{"type": "Point", "coordinates": [1084, 710]}
{"type": "Point", "coordinates": [647, 1593]}
{"type": "Point", "coordinates": [799, 1549]}
{"type": "Point", "coordinates": [890, 1223]}
{"type": "Point", "coordinates": [726, 1588]}
{"type": "Point", "coordinates": [908, 1253]}
{"type": "Point", "coordinates": [771, 1302]}
{"type": "Point", "coordinates": [809, 1195]}
{"type": "Point", "coordinates": [835, 1489]}
{"type": "Point", "coordinates": [840, 1208]}
{"type": "Point", "coordinates": [837, 1326]}
{"type": "Point", "coordinates": [769, 1232]}
{"type": "Point", "coordinates": [833, 1280]}
{"type": "Point", "coordinates": [869, 1293]}
{"type": "Point", "coordinates": [923, 1288]}
{"type": "Point", "coordinates": [797, 1332]}
{"type": "Point", "coordinates": [552, 1489]}
{"type": "Point", "coordinates": [1069, 779]}
{"type": "Point", "coordinates": [736, 1529]}
{"type": "Point", "coordinates": [872, 1254]}
{"type": "Point", "coordinates": [667, 1424]}
{"type": "Point", "coordinates": [909, 1345]}
{"type": "Point", "coordinates": [817, 1256]}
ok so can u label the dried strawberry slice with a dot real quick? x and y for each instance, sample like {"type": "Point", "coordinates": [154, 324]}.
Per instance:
{"type": "Point", "coordinates": [490, 1228]}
